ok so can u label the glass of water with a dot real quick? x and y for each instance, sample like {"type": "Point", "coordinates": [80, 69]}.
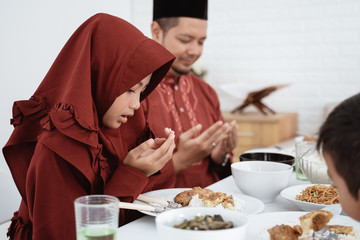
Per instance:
{"type": "Point", "coordinates": [303, 149]}
{"type": "Point", "coordinates": [96, 217]}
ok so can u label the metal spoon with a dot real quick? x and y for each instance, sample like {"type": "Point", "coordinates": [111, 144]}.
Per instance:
{"type": "Point", "coordinates": [325, 234]}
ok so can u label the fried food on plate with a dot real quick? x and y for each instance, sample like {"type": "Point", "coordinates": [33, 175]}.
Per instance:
{"type": "Point", "coordinates": [339, 229]}
{"type": "Point", "coordinates": [285, 232]}
{"type": "Point", "coordinates": [185, 197]}
{"type": "Point", "coordinates": [315, 220]}
{"type": "Point", "coordinates": [208, 197]}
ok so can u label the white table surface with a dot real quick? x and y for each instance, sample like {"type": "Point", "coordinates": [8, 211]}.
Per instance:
{"type": "Point", "coordinates": [144, 227]}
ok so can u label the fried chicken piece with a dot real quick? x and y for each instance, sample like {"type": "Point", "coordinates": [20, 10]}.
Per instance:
{"type": "Point", "coordinates": [228, 202]}
{"type": "Point", "coordinates": [213, 199]}
{"type": "Point", "coordinates": [202, 192]}
{"type": "Point", "coordinates": [298, 230]}
{"type": "Point", "coordinates": [285, 232]}
{"type": "Point", "coordinates": [315, 220]}
{"type": "Point", "coordinates": [216, 198]}
{"type": "Point", "coordinates": [339, 229]}
{"type": "Point", "coordinates": [208, 197]}
{"type": "Point", "coordinates": [185, 197]}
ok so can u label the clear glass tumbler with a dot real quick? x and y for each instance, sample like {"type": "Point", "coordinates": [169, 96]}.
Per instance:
{"type": "Point", "coordinates": [97, 217]}
{"type": "Point", "coordinates": [302, 150]}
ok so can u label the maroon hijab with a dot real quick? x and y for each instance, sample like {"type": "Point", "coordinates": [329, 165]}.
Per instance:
{"type": "Point", "coordinates": [105, 57]}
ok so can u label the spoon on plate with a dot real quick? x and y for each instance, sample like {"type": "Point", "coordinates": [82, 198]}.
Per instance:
{"type": "Point", "coordinates": [325, 234]}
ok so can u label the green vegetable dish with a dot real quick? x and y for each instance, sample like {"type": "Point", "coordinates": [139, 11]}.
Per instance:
{"type": "Point", "coordinates": [206, 222]}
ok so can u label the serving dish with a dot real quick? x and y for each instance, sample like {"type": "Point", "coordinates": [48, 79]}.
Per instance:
{"type": "Point", "coordinates": [165, 224]}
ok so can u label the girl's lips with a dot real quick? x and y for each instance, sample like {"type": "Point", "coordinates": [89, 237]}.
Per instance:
{"type": "Point", "coordinates": [123, 119]}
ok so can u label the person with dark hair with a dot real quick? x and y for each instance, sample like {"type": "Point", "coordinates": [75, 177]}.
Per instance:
{"type": "Point", "coordinates": [186, 103]}
{"type": "Point", "coordinates": [339, 141]}
{"type": "Point", "coordinates": [67, 143]}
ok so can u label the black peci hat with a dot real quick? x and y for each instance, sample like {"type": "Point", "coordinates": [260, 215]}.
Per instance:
{"type": "Point", "coordinates": [180, 8]}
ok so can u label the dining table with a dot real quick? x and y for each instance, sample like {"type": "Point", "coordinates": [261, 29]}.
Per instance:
{"type": "Point", "coordinates": [145, 226]}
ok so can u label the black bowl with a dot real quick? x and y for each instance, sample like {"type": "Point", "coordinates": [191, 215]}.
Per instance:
{"type": "Point", "coordinates": [264, 156]}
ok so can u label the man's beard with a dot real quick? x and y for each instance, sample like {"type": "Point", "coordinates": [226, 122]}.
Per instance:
{"type": "Point", "coordinates": [179, 71]}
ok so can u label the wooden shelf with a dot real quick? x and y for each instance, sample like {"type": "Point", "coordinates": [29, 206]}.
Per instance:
{"type": "Point", "coordinates": [256, 130]}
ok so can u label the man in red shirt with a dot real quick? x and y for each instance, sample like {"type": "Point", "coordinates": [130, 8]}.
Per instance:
{"type": "Point", "coordinates": [186, 103]}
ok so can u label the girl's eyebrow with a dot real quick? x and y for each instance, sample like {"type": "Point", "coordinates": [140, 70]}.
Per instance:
{"type": "Point", "coordinates": [139, 85]}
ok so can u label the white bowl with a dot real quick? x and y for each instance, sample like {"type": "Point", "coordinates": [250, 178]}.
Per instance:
{"type": "Point", "coordinates": [166, 220]}
{"type": "Point", "coordinates": [261, 179]}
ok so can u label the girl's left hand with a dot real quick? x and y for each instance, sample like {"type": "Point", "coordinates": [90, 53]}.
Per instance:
{"type": "Point", "coordinates": [150, 156]}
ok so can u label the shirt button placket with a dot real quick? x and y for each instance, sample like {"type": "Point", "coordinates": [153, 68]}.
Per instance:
{"type": "Point", "coordinates": [176, 88]}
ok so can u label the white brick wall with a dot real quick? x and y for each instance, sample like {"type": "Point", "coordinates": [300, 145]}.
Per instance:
{"type": "Point", "coordinates": [314, 45]}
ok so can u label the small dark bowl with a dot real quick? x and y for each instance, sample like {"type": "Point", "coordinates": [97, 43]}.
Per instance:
{"type": "Point", "coordinates": [272, 157]}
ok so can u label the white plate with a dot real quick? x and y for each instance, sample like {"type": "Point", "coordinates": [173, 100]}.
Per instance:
{"type": "Point", "coordinates": [291, 192]}
{"type": "Point", "coordinates": [259, 224]}
{"type": "Point", "coordinates": [251, 206]}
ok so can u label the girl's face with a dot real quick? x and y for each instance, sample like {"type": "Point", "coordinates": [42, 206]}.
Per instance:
{"type": "Point", "coordinates": [125, 105]}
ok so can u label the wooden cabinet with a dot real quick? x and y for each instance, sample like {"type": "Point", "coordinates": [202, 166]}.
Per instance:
{"type": "Point", "coordinates": [256, 130]}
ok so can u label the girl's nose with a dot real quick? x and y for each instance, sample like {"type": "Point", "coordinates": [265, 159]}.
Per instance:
{"type": "Point", "coordinates": [135, 104]}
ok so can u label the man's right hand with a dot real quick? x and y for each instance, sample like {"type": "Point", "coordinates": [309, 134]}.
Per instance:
{"type": "Point", "coordinates": [192, 149]}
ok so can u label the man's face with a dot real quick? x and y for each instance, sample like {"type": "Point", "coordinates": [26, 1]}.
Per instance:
{"type": "Point", "coordinates": [350, 205]}
{"type": "Point", "coordinates": [186, 42]}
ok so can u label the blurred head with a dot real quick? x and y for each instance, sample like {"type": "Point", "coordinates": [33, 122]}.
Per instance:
{"type": "Point", "coordinates": [185, 40]}
{"type": "Point", "coordinates": [339, 139]}
{"type": "Point", "coordinates": [180, 26]}
{"type": "Point", "coordinates": [350, 203]}
{"type": "Point", "coordinates": [124, 105]}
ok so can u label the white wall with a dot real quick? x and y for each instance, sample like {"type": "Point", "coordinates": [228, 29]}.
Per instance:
{"type": "Point", "coordinates": [32, 33]}
{"type": "Point", "coordinates": [312, 44]}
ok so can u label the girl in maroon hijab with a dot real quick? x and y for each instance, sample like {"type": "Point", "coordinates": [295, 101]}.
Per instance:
{"type": "Point", "coordinates": [66, 140]}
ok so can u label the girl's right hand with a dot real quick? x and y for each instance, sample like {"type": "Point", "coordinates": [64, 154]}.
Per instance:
{"type": "Point", "coordinates": [150, 156]}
